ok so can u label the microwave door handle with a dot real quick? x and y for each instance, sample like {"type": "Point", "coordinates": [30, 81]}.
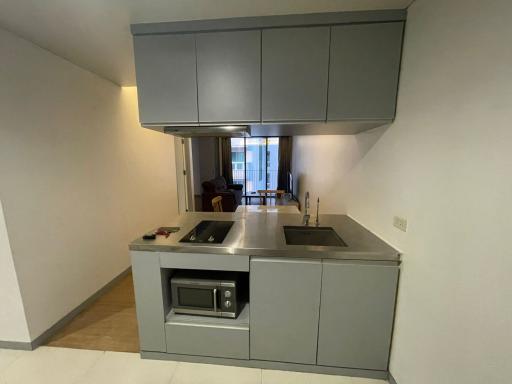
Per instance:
{"type": "Point", "coordinates": [215, 299]}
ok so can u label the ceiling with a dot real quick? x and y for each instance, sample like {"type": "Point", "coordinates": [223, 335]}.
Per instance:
{"type": "Point", "coordinates": [95, 34]}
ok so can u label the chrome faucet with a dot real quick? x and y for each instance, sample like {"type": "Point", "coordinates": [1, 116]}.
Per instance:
{"type": "Point", "coordinates": [305, 219]}
{"type": "Point", "coordinates": [317, 221]}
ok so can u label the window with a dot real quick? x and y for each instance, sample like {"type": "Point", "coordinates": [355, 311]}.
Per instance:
{"type": "Point", "coordinates": [255, 162]}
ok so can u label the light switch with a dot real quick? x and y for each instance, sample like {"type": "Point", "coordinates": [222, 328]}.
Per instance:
{"type": "Point", "coordinates": [400, 223]}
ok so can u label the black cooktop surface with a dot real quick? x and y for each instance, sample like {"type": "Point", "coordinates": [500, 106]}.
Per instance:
{"type": "Point", "coordinates": [208, 231]}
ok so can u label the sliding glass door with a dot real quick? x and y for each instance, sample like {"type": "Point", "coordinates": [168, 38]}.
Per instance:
{"type": "Point", "coordinates": [255, 163]}
{"type": "Point", "coordinates": [238, 160]}
{"type": "Point", "coordinates": [272, 161]}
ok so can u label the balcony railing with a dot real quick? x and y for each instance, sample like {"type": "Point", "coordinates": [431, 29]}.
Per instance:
{"type": "Point", "coordinates": [255, 179]}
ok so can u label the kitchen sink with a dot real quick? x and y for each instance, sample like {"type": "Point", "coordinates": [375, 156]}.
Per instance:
{"type": "Point", "coordinates": [323, 236]}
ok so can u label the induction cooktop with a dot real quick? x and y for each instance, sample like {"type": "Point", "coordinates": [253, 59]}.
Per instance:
{"type": "Point", "coordinates": [209, 232]}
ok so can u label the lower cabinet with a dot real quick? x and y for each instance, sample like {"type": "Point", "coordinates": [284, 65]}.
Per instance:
{"type": "Point", "coordinates": [147, 281]}
{"type": "Point", "coordinates": [207, 340]}
{"type": "Point", "coordinates": [285, 301]}
{"type": "Point", "coordinates": [335, 313]}
{"type": "Point", "coordinates": [356, 315]}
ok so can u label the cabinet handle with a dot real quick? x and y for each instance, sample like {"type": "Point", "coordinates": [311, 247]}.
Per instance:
{"type": "Point", "coordinates": [215, 299]}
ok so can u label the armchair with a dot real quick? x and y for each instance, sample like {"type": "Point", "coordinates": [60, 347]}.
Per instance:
{"type": "Point", "coordinates": [231, 194]}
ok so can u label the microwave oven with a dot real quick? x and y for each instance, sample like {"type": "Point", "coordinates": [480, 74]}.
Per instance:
{"type": "Point", "coordinates": [207, 293]}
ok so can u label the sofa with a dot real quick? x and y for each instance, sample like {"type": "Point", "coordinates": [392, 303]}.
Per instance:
{"type": "Point", "coordinates": [231, 194]}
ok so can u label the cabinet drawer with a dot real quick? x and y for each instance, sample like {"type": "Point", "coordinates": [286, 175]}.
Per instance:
{"type": "Point", "coordinates": [207, 340]}
{"type": "Point", "coordinates": [204, 261]}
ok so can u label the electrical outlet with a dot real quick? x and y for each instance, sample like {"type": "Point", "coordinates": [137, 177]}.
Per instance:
{"type": "Point", "coordinates": [400, 223]}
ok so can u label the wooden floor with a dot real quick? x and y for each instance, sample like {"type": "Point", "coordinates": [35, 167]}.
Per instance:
{"type": "Point", "coordinates": [109, 324]}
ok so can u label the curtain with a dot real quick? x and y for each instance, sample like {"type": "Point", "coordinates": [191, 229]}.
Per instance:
{"type": "Point", "coordinates": [227, 167]}
{"type": "Point", "coordinates": [285, 159]}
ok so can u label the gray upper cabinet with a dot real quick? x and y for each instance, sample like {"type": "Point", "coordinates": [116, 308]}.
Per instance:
{"type": "Point", "coordinates": [331, 68]}
{"type": "Point", "coordinates": [364, 70]}
{"type": "Point", "coordinates": [285, 299]}
{"type": "Point", "coordinates": [295, 74]}
{"type": "Point", "coordinates": [166, 78]}
{"type": "Point", "coordinates": [356, 316]}
{"type": "Point", "coordinates": [228, 75]}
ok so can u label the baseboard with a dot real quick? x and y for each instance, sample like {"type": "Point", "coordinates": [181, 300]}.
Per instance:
{"type": "Point", "coordinates": [46, 335]}
{"type": "Point", "coordinates": [21, 345]}
{"type": "Point", "coordinates": [366, 373]}
{"type": "Point", "coordinates": [391, 379]}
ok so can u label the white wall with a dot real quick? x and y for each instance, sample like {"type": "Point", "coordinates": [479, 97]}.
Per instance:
{"type": "Point", "coordinates": [79, 178]}
{"type": "Point", "coordinates": [205, 157]}
{"type": "Point", "coordinates": [445, 164]}
{"type": "Point", "coordinates": [196, 170]}
{"type": "Point", "coordinates": [13, 325]}
{"type": "Point", "coordinates": [209, 152]}
{"type": "Point", "coordinates": [321, 165]}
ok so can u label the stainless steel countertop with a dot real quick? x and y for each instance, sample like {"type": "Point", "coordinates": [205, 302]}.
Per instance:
{"type": "Point", "coordinates": [261, 234]}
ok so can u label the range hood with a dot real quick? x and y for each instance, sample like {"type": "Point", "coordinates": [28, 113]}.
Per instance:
{"type": "Point", "coordinates": [214, 130]}
{"type": "Point", "coordinates": [346, 127]}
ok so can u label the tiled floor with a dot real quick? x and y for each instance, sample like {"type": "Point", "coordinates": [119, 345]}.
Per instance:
{"type": "Point", "coordinates": [50, 365]}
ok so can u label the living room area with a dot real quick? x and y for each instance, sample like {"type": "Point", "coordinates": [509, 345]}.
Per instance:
{"type": "Point", "coordinates": [238, 173]}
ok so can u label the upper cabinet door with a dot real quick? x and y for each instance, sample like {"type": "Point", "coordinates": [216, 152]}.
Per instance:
{"type": "Point", "coordinates": [166, 78]}
{"type": "Point", "coordinates": [228, 75]}
{"type": "Point", "coordinates": [295, 65]}
{"type": "Point", "coordinates": [364, 70]}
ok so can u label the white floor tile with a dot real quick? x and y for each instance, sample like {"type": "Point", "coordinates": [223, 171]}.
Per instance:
{"type": "Point", "coordinates": [285, 377]}
{"type": "Point", "coordinates": [47, 365]}
{"type": "Point", "coordinates": [190, 373]}
{"type": "Point", "coordinates": [8, 356]}
{"type": "Point", "coordinates": [329, 379]}
{"type": "Point", "coordinates": [128, 368]}
{"type": "Point", "coordinates": [360, 380]}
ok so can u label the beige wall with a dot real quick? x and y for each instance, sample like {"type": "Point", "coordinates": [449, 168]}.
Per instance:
{"type": "Point", "coordinates": [205, 155]}
{"type": "Point", "coordinates": [79, 178]}
{"type": "Point", "coordinates": [321, 165]}
{"type": "Point", "coordinates": [13, 325]}
{"type": "Point", "coordinates": [445, 164]}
